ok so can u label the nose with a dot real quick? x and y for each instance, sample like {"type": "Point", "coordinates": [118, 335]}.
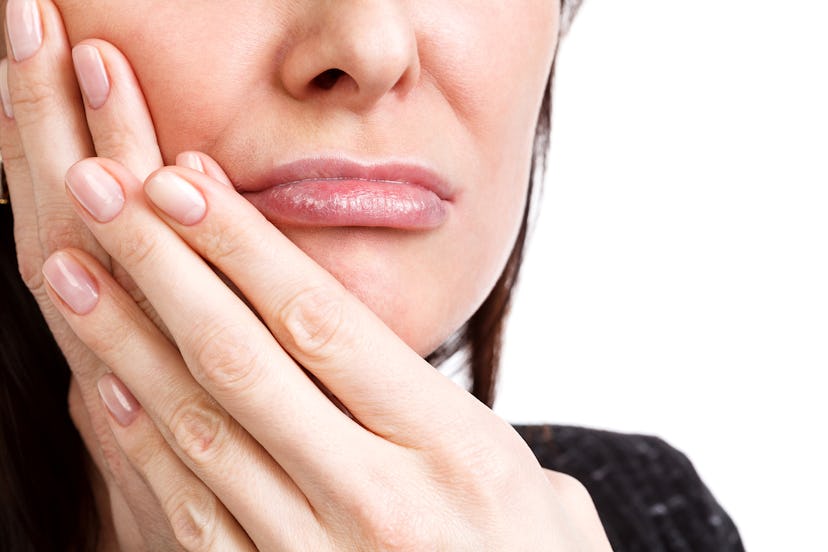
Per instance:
{"type": "Point", "coordinates": [353, 53]}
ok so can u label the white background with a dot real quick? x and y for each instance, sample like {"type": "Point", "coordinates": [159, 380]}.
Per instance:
{"type": "Point", "coordinates": [677, 280]}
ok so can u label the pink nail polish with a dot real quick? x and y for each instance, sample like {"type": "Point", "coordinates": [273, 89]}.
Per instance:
{"type": "Point", "coordinates": [71, 282]}
{"type": "Point", "coordinates": [4, 88]}
{"type": "Point", "coordinates": [96, 190]}
{"type": "Point", "coordinates": [91, 73]}
{"type": "Point", "coordinates": [176, 197]}
{"type": "Point", "coordinates": [24, 28]}
{"type": "Point", "coordinates": [120, 402]}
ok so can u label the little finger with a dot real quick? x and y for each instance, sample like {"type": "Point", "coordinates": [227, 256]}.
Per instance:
{"type": "Point", "coordinates": [198, 519]}
{"type": "Point", "coordinates": [129, 497]}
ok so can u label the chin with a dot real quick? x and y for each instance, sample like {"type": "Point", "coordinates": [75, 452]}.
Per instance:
{"type": "Point", "coordinates": [377, 267]}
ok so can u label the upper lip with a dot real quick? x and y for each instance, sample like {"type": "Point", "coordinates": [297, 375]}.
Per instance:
{"type": "Point", "coordinates": [321, 168]}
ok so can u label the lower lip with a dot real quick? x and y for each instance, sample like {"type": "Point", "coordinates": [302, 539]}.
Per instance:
{"type": "Point", "coordinates": [351, 202]}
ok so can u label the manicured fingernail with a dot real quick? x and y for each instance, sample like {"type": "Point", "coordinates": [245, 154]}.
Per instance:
{"type": "Point", "coordinates": [24, 28]}
{"type": "Point", "coordinates": [205, 165]}
{"type": "Point", "coordinates": [4, 88]}
{"type": "Point", "coordinates": [96, 190]}
{"type": "Point", "coordinates": [120, 402]}
{"type": "Point", "coordinates": [71, 282]}
{"type": "Point", "coordinates": [91, 72]}
{"type": "Point", "coordinates": [176, 197]}
{"type": "Point", "coordinates": [192, 161]}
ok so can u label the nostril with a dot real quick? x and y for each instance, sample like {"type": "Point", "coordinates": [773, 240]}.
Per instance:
{"type": "Point", "coordinates": [327, 79]}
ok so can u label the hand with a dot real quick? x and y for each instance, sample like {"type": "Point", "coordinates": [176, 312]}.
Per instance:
{"type": "Point", "coordinates": [246, 445]}
{"type": "Point", "coordinates": [49, 132]}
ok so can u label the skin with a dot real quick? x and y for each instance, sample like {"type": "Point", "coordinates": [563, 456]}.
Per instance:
{"type": "Point", "coordinates": [440, 57]}
{"type": "Point", "coordinates": [332, 298]}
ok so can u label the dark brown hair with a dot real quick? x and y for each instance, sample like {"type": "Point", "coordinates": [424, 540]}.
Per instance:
{"type": "Point", "coordinates": [46, 499]}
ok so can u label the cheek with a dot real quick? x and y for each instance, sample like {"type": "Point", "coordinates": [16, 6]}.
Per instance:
{"type": "Point", "coordinates": [193, 71]}
{"type": "Point", "coordinates": [496, 78]}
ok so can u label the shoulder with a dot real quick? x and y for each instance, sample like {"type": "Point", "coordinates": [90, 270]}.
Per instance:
{"type": "Point", "coordinates": [647, 493]}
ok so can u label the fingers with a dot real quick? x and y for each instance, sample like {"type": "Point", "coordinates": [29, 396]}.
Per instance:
{"type": "Point", "coordinates": [128, 498]}
{"type": "Point", "coordinates": [120, 124]}
{"type": "Point", "coordinates": [210, 443]}
{"type": "Point", "coordinates": [49, 118]}
{"type": "Point", "coordinates": [204, 164]}
{"type": "Point", "coordinates": [110, 92]}
{"type": "Point", "coordinates": [85, 408]}
{"type": "Point", "coordinates": [46, 134]}
{"type": "Point", "coordinates": [385, 384]}
{"type": "Point", "coordinates": [231, 354]}
{"type": "Point", "coordinates": [198, 519]}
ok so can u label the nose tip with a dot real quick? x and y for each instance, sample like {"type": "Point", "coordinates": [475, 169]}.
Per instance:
{"type": "Point", "coordinates": [356, 54]}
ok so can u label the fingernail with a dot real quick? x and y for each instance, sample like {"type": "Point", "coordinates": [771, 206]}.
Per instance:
{"type": "Point", "coordinates": [91, 73]}
{"type": "Point", "coordinates": [192, 161]}
{"type": "Point", "coordinates": [96, 190]}
{"type": "Point", "coordinates": [120, 402]}
{"type": "Point", "coordinates": [176, 197]}
{"type": "Point", "coordinates": [24, 28]}
{"type": "Point", "coordinates": [71, 282]}
{"type": "Point", "coordinates": [205, 165]}
{"type": "Point", "coordinates": [4, 88]}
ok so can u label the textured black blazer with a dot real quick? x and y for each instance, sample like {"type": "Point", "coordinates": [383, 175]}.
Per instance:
{"type": "Point", "coordinates": [648, 495]}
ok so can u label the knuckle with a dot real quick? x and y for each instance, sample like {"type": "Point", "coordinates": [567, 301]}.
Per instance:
{"type": "Point", "coordinates": [224, 242]}
{"type": "Point", "coordinates": [200, 427]}
{"type": "Point", "coordinates": [478, 464]}
{"type": "Point", "coordinates": [393, 526]}
{"type": "Point", "coordinates": [61, 232]}
{"type": "Point", "coordinates": [225, 357]}
{"type": "Point", "coordinates": [134, 248]}
{"type": "Point", "coordinates": [314, 319]}
{"type": "Point", "coordinates": [14, 158]}
{"type": "Point", "coordinates": [569, 488]}
{"type": "Point", "coordinates": [35, 97]}
{"type": "Point", "coordinates": [11, 151]}
{"type": "Point", "coordinates": [193, 518]}
{"type": "Point", "coordinates": [29, 265]}
{"type": "Point", "coordinates": [112, 142]}
{"type": "Point", "coordinates": [386, 515]}
{"type": "Point", "coordinates": [114, 457]}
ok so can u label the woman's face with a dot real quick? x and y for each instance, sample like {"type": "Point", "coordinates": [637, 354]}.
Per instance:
{"type": "Point", "coordinates": [452, 85]}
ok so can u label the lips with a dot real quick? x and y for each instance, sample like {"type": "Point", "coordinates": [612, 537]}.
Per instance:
{"type": "Point", "coordinates": [336, 192]}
